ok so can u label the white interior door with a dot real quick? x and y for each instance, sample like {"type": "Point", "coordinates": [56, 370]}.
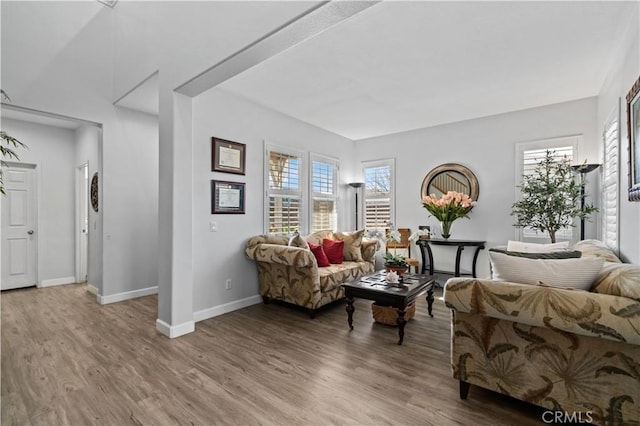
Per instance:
{"type": "Point", "coordinates": [19, 233]}
{"type": "Point", "coordinates": [82, 222]}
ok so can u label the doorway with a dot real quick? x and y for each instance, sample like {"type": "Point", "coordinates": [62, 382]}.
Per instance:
{"type": "Point", "coordinates": [19, 227]}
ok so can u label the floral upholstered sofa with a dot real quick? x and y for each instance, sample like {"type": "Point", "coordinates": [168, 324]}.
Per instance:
{"type": "Point", "coordinates": [570, 351]}
{"type": "Point", "coordinates": [288, 270]}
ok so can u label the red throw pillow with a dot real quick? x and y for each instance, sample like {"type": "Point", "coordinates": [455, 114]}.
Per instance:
{"type": "Point", "coordinates": [333, 249]}
{"type": "Point", "coordinates": [319, 253]}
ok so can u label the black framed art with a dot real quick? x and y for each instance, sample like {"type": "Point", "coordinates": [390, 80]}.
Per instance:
{"type": "Point", "coordinates": [227, 156]}
{"type": "Point", "coordinates": [227, 197]}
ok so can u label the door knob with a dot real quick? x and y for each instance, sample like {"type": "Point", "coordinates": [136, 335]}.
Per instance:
{"type": "Point", "coordinates": [30, 232]}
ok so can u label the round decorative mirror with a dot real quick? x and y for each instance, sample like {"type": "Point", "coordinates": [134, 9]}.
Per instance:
{"type": "Point", "coordinates": [450, 177]}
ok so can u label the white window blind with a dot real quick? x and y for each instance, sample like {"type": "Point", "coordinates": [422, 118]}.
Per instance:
{"type": "Point", "coordinates": [610, 182]}
{"type": "Point", "coordinates": [284, 191]}
{"type": "Point", "coordinates": [528, 156]}
{"type": "Point", "coordinates": [378, 194]}
{"type": "Point", "coordinates": [324, 193]}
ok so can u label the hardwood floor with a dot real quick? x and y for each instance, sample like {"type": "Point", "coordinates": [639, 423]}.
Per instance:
{"type": "Point", "coordinates": [68, 360]}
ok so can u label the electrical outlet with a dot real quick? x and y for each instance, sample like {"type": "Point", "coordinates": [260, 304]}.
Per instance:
{"type": "Point", "coordinates": [212, 227]}
{"type": "Point", "coordinates": [227, 284]}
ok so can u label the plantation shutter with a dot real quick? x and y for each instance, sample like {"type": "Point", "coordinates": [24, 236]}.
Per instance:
{"type": "Point", "coordinates": [324, 192]}
{"type": "Point", "coordinates": [531, 158]}
{"type": "Point", "coordinates": [284, 192]}
{"type": "Point", "coordinates": [610, 183]}
{"type": "Point", "coordinates": [378, 196]}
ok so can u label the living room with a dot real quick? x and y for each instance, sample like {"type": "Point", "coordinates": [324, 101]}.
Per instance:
{"type": "Point", "coordinates": [114, 49]}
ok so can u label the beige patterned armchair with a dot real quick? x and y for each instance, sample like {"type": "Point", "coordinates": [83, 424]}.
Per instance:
{"type": "Point", "coordinates": [571, 351]}
{"type": "Point", "coordinates": [291, 274]}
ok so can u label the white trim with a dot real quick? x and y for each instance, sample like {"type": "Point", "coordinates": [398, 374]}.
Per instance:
{"type": "Point", "coordinates": [173, 331]}
{"type": "Point", "coordinates": [92, 289]}
{"type": "Point", "coordinates": [226, 308]}
{"type": "Point", "coordinates": [119, 297]}
{"type": "Point", "coordinates": [57, 281]}
{"type": "Point", "coordinates": [79, 177]}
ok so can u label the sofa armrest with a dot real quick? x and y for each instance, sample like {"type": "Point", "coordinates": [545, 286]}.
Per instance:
{"type": "Point", "coordinates": [574, 311]}
{"type": "Point", "coordinates": [285, 255]}
{"type": "Point", "coordinates": [369, 249]}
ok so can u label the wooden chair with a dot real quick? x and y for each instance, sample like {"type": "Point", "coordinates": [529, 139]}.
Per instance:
{"type": "Point", "coordinates": [404, 244]}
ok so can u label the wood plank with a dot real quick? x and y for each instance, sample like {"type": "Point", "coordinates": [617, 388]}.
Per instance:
{"type": "Point", "coordinates": [68, 360]}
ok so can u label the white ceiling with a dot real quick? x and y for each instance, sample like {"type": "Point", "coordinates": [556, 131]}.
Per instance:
{"type": "Point", "coordinates": [399, 66]}
{"type": "Point", "coordinates": [394, 67]}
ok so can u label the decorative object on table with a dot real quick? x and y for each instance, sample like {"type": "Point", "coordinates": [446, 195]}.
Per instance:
{"type": "Point", "coordinates": [447, 208]}
{"type": "Point", "coordinates": [356, 186]}
{"type": "Point", "coordinates": [394, 261]}
{"type": "Point", "coordinates": [421, 234]}
{"type": "Point", "coordinates": [451, 177]}
{"type": "Point", "coordinates": [633, 130]}
{"type": "Point", "coordinates": [583, 169]}
{"type": "Point", "coordinates": [392, 277]}
{"type": "Point", "coordinates": [227, 156]}
{"type": "Point", "coordinates": [550, 197]}
{"type": "Point", "coordinates": [227, 197]}
{"type": "Point", "coordinates": [94, 192]}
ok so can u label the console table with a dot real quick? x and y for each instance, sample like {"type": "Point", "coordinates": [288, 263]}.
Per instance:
{"type": "Point", "coordinates": [427, 255]}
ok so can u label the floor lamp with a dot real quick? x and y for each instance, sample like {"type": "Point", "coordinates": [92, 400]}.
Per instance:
{"type": "Point", "coordinates": [356, 185]}
{"type": "Point", "coordinates": [583, 169]}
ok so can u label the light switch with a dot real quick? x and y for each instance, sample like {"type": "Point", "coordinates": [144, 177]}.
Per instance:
{"type": "Point", "coordinates": [212, 226]}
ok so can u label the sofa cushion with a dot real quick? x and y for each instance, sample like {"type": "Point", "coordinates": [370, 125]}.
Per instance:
{"type": "Point", "coordinates": [566, 273]}
{"type": "Point", "coordinates": [318, 236]}
{"type": "Point", "coordinates": [596, 248]}
{"type": "Point", "coordinates": [352, 244]}
{"type": "Point", "coordinates": [523, 247]}
{"type": "Point", "coordinates": [333, 249]}
{"type": "Point", "coordinates": [569, 254]}
{"type": "Point", "coordinates": [619, 279]}
{"type": "Point", "coordinates": [333, 276]}
{"type": "Point", "coordinates": [297, 241]}
{"type": "Point", "coordinates": [321, 256]}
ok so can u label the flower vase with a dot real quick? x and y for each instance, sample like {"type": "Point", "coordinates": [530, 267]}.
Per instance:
{"type": "Point", "coordinates": [446, 229]}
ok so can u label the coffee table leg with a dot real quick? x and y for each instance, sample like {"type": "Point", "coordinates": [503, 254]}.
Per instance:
{"type": "Point", "coordinates": [430, 301]}
{"type": "Point", "coordinates": [350, 310]}
{"type": "Point", "coordinates": [401, 324]}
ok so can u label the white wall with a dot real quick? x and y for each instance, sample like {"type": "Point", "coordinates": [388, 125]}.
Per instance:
{"type": "Point", "coordinates": [53, 150]}
{"type": "Point", "coordinates": [88, 151]}
{"type": "Point", "coordinates": [487, 147]}
{"type": "Point", "coordinates": [624, 72]}
{"type": "Point", "coordinates": [220, 255]}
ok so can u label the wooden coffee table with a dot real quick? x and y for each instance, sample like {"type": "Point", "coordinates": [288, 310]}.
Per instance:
{"type": "Point", "coordinates": [374, 287]}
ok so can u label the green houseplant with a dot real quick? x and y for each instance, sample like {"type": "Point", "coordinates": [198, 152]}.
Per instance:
{"type": "Point", "coordinates": [551, 197]}
{"type": "Point", "coordinates": [7, 147]}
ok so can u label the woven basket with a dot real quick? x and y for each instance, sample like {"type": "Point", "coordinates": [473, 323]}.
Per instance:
{"type": "Point", "coordinates": [389, 315]}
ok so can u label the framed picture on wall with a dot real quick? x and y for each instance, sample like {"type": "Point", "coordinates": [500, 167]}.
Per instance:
{"type": "Point", "coordinates": [633, 123]}
{"type": "Point", "coordinates": [227, 156]}
{"type": "Point", "coordinates": [227, 197]}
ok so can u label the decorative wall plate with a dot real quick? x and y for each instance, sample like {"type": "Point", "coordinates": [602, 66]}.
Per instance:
{"type": "Point", "coordinates": [94, 192]}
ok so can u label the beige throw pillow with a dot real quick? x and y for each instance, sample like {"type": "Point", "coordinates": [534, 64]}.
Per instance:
{"type": "Point", "coordinates": [577, 273]}
{"type": "Point", "coordinates": [318, 236]}
{"type": "Point", "coordinates": [352, 244]}
{"type": "Point", "coordinates": [619, 279]}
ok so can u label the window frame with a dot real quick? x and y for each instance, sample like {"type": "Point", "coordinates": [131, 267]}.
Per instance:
{"type": "Point", "coordinates": [391, 163]}
{"type": "Point", "coordinates": [335, 196]}
{"type": "Point", "coordinates": [302, 185]}
{"type": "Point", "coordinates": [575, 141]}
{"type": "Point", "coordinates": [614, 119]}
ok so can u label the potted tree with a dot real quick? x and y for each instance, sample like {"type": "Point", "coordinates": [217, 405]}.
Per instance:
{"type": "Point", "coordinates": [551, 197]}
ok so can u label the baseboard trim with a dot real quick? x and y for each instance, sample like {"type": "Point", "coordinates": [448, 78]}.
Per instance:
{"type": "Point", "coordinates": [119, 297]}
{"type": "Point", "coordinates": [173, 331]}
{"type": "Point", "coordinates": [227, 307]}
{"type": "Point", "coordinates": [92, 289]}
{"type": "Point", "coordinates": [57, 281]}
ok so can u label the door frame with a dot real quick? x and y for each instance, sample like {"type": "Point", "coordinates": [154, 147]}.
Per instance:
{"type": "Point", "coordinates": [79, 177]}
{"type": "Point", "coordinates": [35, 165]}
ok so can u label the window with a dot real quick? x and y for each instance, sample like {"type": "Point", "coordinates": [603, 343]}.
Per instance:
{"type": "Point", "coordinates": [284, 194]}
{"type": "Point", "coordinates": [528, 155]}
{"type": "Point", "coordinates": [378, 194]}
{"type": "Point", "coordinates": [610, 180]}
{"type": "Point", "coordinates": [324, 193]}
